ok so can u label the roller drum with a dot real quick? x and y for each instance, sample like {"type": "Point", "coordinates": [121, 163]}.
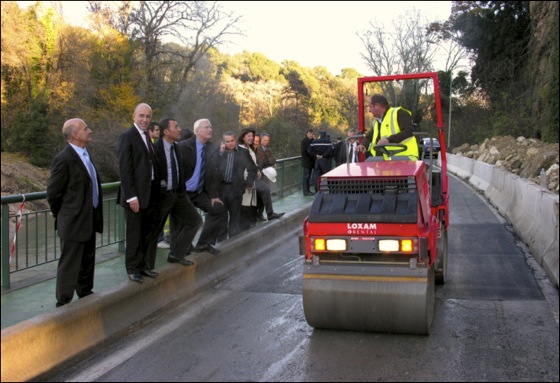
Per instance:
{"type": "Point", "coordinates": [383, 302]}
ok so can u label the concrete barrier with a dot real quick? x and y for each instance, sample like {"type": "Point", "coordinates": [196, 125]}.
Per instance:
{"type": "Point", "coordinates": [529, 208]}
{"type": "Point", "coordinates": [42, 346]}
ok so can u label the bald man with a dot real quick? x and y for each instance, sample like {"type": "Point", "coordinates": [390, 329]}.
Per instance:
{"type": "Point", "coordinates": [74, 196]}
{"type": "Point", "coordinates": [139, 194]}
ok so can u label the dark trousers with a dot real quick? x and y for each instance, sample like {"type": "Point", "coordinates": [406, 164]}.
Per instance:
{"type": "Point", "coordinates": [75, 270]}
{"type": "Point", "coordinates": [214, 216]}
{"type": "Point", "coordinates": [322, 166]}
{"type": "Point", "coordinates": [306, 178]}
{"type": "Point", "coordinates": [184, 222]}
{"type": "Point", "coordinates": [230, 226]}
{"type": "Point", "coordinates": [264, 195]}
{"type": "Point", "coordinates": [248, 217]}
{"type": "Point", "coordinates": [141, 235]}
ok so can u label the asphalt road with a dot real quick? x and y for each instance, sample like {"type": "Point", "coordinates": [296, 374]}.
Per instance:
{"type": "Point", "coordinates": [496, 319]}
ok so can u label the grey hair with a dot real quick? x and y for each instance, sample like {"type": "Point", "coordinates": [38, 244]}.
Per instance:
{"type": "Point", "coordinates": [70, 126]}
{"type": "Point", "coordinates": [198, 122]}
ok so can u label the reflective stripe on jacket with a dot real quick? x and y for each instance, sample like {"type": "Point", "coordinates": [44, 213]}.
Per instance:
{"type": "Point", "coordinates": [389, 127]}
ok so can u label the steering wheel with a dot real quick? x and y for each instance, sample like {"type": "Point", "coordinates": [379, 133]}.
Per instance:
{"type": "Point", "coordinates": [390, 150]}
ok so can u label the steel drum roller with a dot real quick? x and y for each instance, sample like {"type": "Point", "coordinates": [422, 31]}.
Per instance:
{"type": "Point", "coordinates": [393, 304]}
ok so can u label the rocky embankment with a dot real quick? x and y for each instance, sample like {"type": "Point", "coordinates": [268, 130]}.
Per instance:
{"type": "Point", "coordinates": [525, 157]}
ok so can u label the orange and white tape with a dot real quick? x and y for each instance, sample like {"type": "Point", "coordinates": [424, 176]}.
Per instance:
{"type": "Point", "coordinates": [18, 226]}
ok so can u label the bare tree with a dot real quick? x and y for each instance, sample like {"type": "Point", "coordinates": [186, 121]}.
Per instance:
{"type": "Point", "coordinates": [411, 48]}
{"type": "Point", "coordinates": [197, 25]}
{"type": "Point", "coordinates": [115, 14]}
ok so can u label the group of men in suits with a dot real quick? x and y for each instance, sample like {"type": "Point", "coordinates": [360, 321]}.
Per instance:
{"type": "Point", "coordinates": [168, 178]}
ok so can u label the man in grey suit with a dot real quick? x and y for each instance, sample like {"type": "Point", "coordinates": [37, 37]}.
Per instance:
{"type": "Point", "coordinates": [139, 194]}
{"type": "Point", "coordinates": [74, 196]}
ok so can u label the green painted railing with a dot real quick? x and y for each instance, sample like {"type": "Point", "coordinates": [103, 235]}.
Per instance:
{"type": "Point", "coordinates": [36, 242]}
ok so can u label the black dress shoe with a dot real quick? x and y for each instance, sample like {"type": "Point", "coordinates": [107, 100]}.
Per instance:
{"type": "Point", "coordinates": [207, 247]}
{"type": "Point", "coordinates": [309, 194]}
{"type": "Point", "coordinates": [261, 218]}
{"type": "Point", "coordinates": [275, 215]}
{"type": "Point", "coordinates": [135, 278]}
{"type": "Point", "coordinates": [182, 261]}
{"type": "Point", "coordinates": [149, 273]}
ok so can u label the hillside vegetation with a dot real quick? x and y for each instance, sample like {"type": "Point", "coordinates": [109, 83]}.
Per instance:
{"type": "Point", "coordinates": [521, 156]}
{"type": "Point", "coordinates": [52, 71]}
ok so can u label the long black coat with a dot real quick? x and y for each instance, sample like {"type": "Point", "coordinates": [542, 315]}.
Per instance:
{"type": "Point", "coordinates": [307, 160]}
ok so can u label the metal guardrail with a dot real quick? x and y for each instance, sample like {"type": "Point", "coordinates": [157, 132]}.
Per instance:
{"type": "Point", "coordinates": [36, 242]}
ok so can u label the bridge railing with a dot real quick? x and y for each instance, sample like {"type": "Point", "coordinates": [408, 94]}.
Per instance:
{"type": "Point", "coordinates": [36, 243]}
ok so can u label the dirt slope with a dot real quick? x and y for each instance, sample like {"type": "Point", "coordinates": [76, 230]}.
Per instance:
{"type": "Point", "coordinates": [525, 157]}
{"type": "Point", "coordinates": [20, 177]}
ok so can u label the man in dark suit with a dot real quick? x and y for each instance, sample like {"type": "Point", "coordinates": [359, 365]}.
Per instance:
{"type": "Point", "coordinates": [348, 152]}
{"type": "Point", "coordinates": [202, 183]}
{"type": "Point", "coordinates": [139, 194]}
{"type": "Point", "coordinates": [173, 202]}
{"type": "Point", "coordinates": [307, 162]}
{"type": "Point", "coordinates": [74, 196]}
{"type": "Point", "coordinates": [337, 148]}
{"type": "Point", "coordinates": [232, 164]}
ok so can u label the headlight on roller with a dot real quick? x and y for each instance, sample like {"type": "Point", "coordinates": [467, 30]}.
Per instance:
{"type": "Point", "coordinates": [336, 245]}
{"type": "Point", "coordinates": [397, 245]}
{"type": "Point", "coordinates": [388, 245]}
{"type": "Point", "coordinates": [333, 244]}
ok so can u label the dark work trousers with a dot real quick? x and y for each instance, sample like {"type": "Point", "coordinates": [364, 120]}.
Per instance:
{"type": "Point", "coordinates": [230, 227]}
{"type": "Point", "coordinates": [322, 166]}
{"type": "Point", "coordinates": [214, 216]}
{"type": "Point", "coordinates": [184, 222]}
{"type": "Point", "coordinates": [140, 228]}
{"type": "Point", "coordinates": [75, 270]}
